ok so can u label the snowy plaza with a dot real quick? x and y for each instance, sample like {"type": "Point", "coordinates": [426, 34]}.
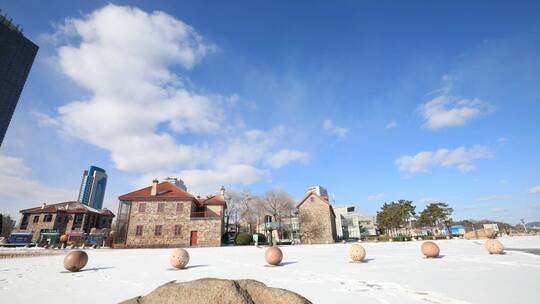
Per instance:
{"type": "Point", "coordinates": [392, 273]}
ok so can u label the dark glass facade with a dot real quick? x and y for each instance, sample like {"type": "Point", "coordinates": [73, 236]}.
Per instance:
{"type": "Point", "coordinates": [17, 54]}
{"type": "Point", "coordinates": [93, 186]}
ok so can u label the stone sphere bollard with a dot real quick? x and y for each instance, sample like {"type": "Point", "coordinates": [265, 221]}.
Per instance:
{"type": "Point", "coordinates": [179, 258]}
{"type": "Point", "coordinates": [75, 260]}
{"type": "Point", "coordinates": [494, 246]}
{"type": "Point", "coordinates": [430, 249]}
{"type": "Point", "coordinates": [273, 255]}
{"type": "Point", "coordinates": [357, 253]}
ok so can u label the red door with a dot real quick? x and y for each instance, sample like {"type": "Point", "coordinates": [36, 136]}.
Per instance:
{"type": "Point", "coordinates": [193, 239]}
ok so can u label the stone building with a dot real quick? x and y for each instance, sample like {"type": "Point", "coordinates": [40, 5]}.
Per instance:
{"type": "Point", "coordinates": [62, 218]}
{"type": "Point", "coordinates": [317, 220]}
{"type": "Point", "coordinates": [165, 215]}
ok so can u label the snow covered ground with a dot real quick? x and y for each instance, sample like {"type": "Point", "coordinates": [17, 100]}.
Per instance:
{"type": "Point", "coordinates": [393, 273]}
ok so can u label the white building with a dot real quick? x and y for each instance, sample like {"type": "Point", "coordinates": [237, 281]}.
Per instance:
{"type": "Point", "coordinates": [351, 225]}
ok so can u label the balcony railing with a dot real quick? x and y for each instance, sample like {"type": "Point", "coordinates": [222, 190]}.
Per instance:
{"type": "Point", "coordinates": [205, 214]}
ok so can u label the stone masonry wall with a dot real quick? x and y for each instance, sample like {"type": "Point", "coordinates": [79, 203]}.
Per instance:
{"type": "Point", "coordinates": [319, 212]}
{"type": "Point", "coordinates": [208, 230]}
{"type": "Point", "coordinates": [35, 228]}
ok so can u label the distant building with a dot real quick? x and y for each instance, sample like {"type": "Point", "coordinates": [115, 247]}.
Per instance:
{"type": "Point", "coordinates": [319, 190]}
{"type": "Point", "coordinates": [351, 225]}
{"type": "Point", "coordinates": [93, 184]}
{"type": "Point", "coordinates": [316, 218]}
{"type": "Point", "coordinates": [63, 218]}
{"type": "Point", "coordinates": [17, 54]}
{"type": "Point", "coordinates": [165, 215]}
{"type": "Point", "coordinates": [491, 226]}
{"type": "Point", "coordinates": [177, 182]}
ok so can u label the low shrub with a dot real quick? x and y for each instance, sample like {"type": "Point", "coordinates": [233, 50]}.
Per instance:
{"type": "Point", "coordinates": [399, 238]}
{"type": "Point", "coordinates": [383, 238]}
{"type": "Point", "coordinates": [262, 238]}
{"type": "Point", "coordinates": [441, 237]}
{"type": "Point", "coordinates": [243, 239]}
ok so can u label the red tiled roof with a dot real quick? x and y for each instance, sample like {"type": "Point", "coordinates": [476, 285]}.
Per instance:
{"type": "Point", "coordinates": [324, 199]}
{"type": "Point", "coordinates": [69, 207]}
{"type": "Point", "coordinates": [165, 191]}
{"type": "Point", "coordinates": [212, 200]}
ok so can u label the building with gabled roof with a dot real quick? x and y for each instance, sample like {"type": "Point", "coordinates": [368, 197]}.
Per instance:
{"type": "Point", "coordinates": [317, 219]}
{"type": "Point", "coordinates": [166, 215]}
{"type": "Point", "coordinates": [64, 217]}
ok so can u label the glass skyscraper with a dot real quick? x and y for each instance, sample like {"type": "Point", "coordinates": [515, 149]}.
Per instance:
{"type": "Point", "coordinates": [17, 54]}
{"type": "Point", "coordinates": [93, 186]}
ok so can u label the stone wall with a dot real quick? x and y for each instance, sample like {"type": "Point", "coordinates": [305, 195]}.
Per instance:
{"type": "Point", "coordinates": [317, 224]}
{"type": "Point", "coordinates": [58, 223]}
{"type": "Point", "coordinates": [209, 230]}
{"type": "Point", "coordinates": [35, 228]}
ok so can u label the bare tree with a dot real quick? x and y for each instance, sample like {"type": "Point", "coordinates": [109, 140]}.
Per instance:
{"type": "Point", "coordinates": [234, 206]}
{"type": "Point", "coordinates": [279, 204]}
{"type": "Point", "coordinates": [243, 210]}
{"type": "Point", "coordinates": [6, 225]}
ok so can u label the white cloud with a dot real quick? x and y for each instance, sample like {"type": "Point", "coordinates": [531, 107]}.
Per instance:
{"type": "Point", "coordinates": [392, 124]}
{"type": "Point", "coordinates": [446, 110]}
{"type": "Point", "coordinates": [461, 158]}
{"type": "Point", "coordinates": [376, 196]}
{"type": "Point", "coordinates": [208, 181]}
{"type": "Point", "coordinates": [340, 132]}
{"type": "Point", "coordinates": [139, 108]}
{"type": "Point", "coordinates": [18, 190]}
{"type": "Point", "coordinates": [286, 156]}
{"type": "Point", "coordinates": [535, 189]}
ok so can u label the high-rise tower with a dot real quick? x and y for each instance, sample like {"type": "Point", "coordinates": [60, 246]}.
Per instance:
{"type": "Point", "coordinates": [17, 54]}
{"type": "Point", "coordinates": [93, 186]}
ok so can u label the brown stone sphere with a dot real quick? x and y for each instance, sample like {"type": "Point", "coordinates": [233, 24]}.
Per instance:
{"type": "Point", "coordinates": [179, 258]}
{"type": "Point", "coordinates": [430, 249]}
{"type": "Point", "coordinates": [75, 260]}
{"type": "Point", "coordinates": [273, 255]}
{"type": "Point", "coordinates": [494, 246]}
{"type": "Point", "coordinates": [357, 253]}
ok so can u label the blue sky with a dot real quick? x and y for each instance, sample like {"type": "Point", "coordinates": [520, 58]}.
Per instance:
{"type": "Point", "coordinates": [375, 101]}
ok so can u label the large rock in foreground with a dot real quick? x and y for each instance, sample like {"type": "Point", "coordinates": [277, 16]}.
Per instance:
{"type": "Point", "coordinates": [219, 291]}
{"type": "Point", "coordinates": [481, 234]}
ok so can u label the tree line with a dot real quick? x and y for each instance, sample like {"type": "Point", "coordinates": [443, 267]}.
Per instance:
{"type": "Point", "coordinates": [395, 217]}
{"type": "Point", "coordinates": [247, 211]}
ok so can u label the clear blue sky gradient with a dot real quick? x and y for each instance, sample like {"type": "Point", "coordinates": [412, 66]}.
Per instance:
{"type": "Point", "coordinates": [359, 64]}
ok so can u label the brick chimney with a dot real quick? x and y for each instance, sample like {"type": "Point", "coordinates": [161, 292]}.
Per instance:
{"type": "Point", "coordinates": [153, 192]}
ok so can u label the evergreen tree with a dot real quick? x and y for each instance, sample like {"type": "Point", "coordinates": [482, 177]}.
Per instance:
{"type": "Point", "coordinates": [435, 215]}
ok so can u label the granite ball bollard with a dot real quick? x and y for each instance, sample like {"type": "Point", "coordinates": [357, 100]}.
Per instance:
{"type": "Point", "coordinates": [430, 249]}
{"type": "Point", "coordinates": [75, 260]}
{"type": "Point", "coordinates": [273, 255]}
{"type": "Point", "coordinates": [179, 258]}
{"type": "Point", "coordinates": [494, 246]}
{"type": "Point", "coordinates": [357, 253]}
